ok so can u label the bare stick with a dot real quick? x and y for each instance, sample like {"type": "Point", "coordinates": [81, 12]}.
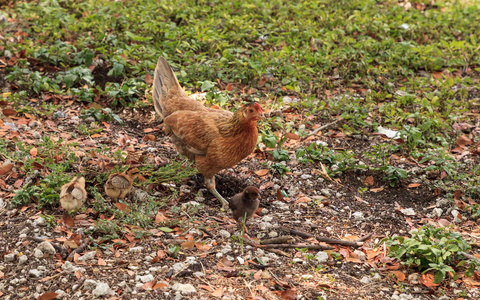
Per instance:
{"type": "Point", "coordinates": [322, 127]}
{"type": "Point", "coordinates": [327, 240]}
{"type": "Point", "coordinates": [363, 239]}
{"type": "Point", "coordinates": [278, 251]}
{"type": "Point", "coordinates": [79, 249]}
{"type": "Point", "coordinates": [278, 240]}
{"type": "Point", "coordinates": [301, 246]}
{"type": "Point", "coordinates": [469, 256]}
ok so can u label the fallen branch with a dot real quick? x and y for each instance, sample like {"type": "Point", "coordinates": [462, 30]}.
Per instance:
{"type": "Point", "coordinates": [278, 240]}
{"type": "Point", "coordinates": [363, 239]}
{"type": "Point", "coordinates": [326, 240]}
{"type": "Point", "coordinates": [322, 127]}
{"type": "Point", "coordinates": [469, 256]}
{"type": "Point", "coordinates": [78, 250]}
{"type": "Point", "coordinates": [301, 246]}
{"type": "Point", "coordinates": [278, 251]}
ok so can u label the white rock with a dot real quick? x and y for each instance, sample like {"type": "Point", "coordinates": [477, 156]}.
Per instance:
{"type": "Point", "coordinates": [39, 222]}
{"type": "Point", "coordinates": [437, 212]}
{"type": "Point", "coordinates": [9, 257]}
{"type": "Point", "coordinates": [145, 279]}
{"type": "Point", "coordinates": [377, 277]}
{"type": "Point", "coordinates": [184, 289]}
{"type": "Point", "coordinates": [360, 255]}
{"type": "Point", "coordinates": [87, 256]}
{"type": "Point", "coordinates": [46, 248]}
{"type": "Point", "coordinates": [136, 249]}
{"type": "Point", "coordinates": [321, 256]}
{"type": "Point", "coordinates": [408, 211]}
{"type": "Point", "coordinates": [102, 289]}
{"type": "Point", "coordinates": [240, 260]}
{"type": "Point", "coordinates": [273, 234]}
{"type": "Point", "coordinates": [38, 253]}
{"type": "Point", "coordinates": [60, 294]}
{"type": "Point", "coordinates": [358, 215]}
{"type": "Point", "coordinates": [68, 268]}
{"type": "Point", "coordinates": [365, 280]}
{"type": "Point", "coordinates": [90, 284]}
{"type": "Point", "coordinates": [178, 267]}
{"type": "Point", "coordinates": [224, 234]}
{"type": "Point", "coordinates": [307, 276]}
{"type": "Point", "coordinates": [267, 219]}
{"type": "Point", "coordinates": [414, 278]}
{"type": "Point", "coordinates": [22, 259]}
{"type": "Point", "coordinates": [35, 273]}
{"type": "Point", "coordinates": [226, 249]}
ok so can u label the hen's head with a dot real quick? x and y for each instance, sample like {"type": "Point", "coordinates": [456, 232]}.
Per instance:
{"type": "Point", "coordinates": [252, 111]}
{"type": "Point", "coordinates": [251, 193]}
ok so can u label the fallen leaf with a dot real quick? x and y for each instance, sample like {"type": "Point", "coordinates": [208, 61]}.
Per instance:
{"type": "Point", "coordinates": [8, 112]}
{"type": "Point", "coordinates": [289, 294]}
{"type": "Point", "coordinates": [67, 219]}
{"type": "Point", "coordinates": [47, 296]}
{"type": "Point", "coordinates": [218, 293]}
{"type": "Point", "coordinates": [160, 285]}
{"type": "Point", "coordinates": [369, 181]}
{"type": "Point", "coordinates": [413, 185]}
{"type": "Point", "coordinates": [5, 169]}
{"type": "Point", "coordinates": [149, 285]}
{"type": "Point", "coordinates": [2, 275]}
{"type": "Point", "coordinates": [303, 200]}
{"type": "Point", "coordinates": [148, 79]}
{"type": "Point", "coordinates": [279, 195]}
{"type": "Point", "coordinates": [188, 244]}
{"type": "Point", "coordinates": [292, 136]}
{"type": "Point", "coordinates": [257, 275]}
{"type": "Point", "coordinates": [457, 195]}
{"type": "Point", "coordinates": [33, 152]}
{"type": "Point", "coordinates": [377, 190]}
{"type": "Point", "coordinates": [229, 87]}
{"type": "Point", "coordinates": [150, 137]}
{"type": "Point", "coordinates": [123, 207]}
{"type": "Point", "coordinates": [427, 280]}
{"type": "Point", "coordinates": [261, 172]}
{"type": "Point", "coordinates": [464, 141]}
{"type": "Point", "coordinates": [160, 218]}
{"type": "Point", "coordinates": [102, 262]}
{"type": "Point", "coordinates": [399, 275]}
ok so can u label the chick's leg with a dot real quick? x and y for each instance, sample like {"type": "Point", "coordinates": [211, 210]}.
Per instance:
{"type": "Point", "coordinates": [210, 183]}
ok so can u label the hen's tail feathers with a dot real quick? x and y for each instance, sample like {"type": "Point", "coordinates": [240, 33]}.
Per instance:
{"type": "Point", "coordinates": [164, 79]}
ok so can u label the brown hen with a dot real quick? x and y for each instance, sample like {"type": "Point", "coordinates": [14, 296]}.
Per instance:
{"type": "Point", "coordinates": [118, 185]}
{"type": "Point", "coordinates": [215, 139]}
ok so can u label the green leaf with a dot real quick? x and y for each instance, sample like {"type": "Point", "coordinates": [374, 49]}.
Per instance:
{"type": "Point", "coordinates": [165, 229]}
{"type": "Point", "coordinates": [116, 70]}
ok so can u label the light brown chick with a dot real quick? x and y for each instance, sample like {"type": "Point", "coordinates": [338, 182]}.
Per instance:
{"type": "Point", "coordinates": [244, 204]}
{"type": "Point", "coordinates": [119, 185]}
{"type": "Point", "coordinates": [73, 194]}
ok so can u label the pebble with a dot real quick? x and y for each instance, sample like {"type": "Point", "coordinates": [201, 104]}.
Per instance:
{"type": "Point", "coordinates": [437, 212]}
{"type": "Point", "coordinates": [59, 115]}
{"type": "Point", "coordinates": [365, 280]}
{"type": "Point", "coordinates": [46, 248]}
{"type": "Point", "coordinates": [414, 278]}
{"type": "Point", "coordinates": [442, 202]}
{"type": "Point", "coordinates": [358, 215]}
{"type": "Point", "coordinates": [226, 249]}
{"type": "Point", "coordinates": [185, 289]}
{"type": "Point", "coordinates": [267, 218]}
{"type": "Point", "coordinates": [178, 267]}
{"type": "Point", "coordinates": [145, 279]}
{"type": "Point", "coordinates": [9, 257]}
{"type": "Point", "coordinates": [60, 293]}
{"type": "Point", "coordinates": [40, 222]}
{"type": "Point", "coordinates": [240, 260]}
{"type": "Point", "coordinates": [22, 259]}
{"type": "Point", "coordinates": [360, 255]}
{"type": "Point", "coordinates": [408, 211]}
{"type": "Point", "coordinates": [377, 277]}
{"type": "Point", "coordinates": [136, 249]}
{"type": "Point", "coordinates": [68, 268]}
{"type": "Point", "coordinates": [90, 284]}
{"type": "Point", "coordinates": [321, 256]}
{"type": "Point", "coordinates": [87, 256]}
{"type": "Point", "coordinates": [102, 289]}
{"type": "Point", "coordinates": [35, 273]}
{"type": "Point", "coordinates": [455, 215]}
{"type": "Point", "coordinates": [38, 253]}
{"type": "Point", "coordinates": [224, 234]}
{"type": "Point", "coordinates": [273, 234]}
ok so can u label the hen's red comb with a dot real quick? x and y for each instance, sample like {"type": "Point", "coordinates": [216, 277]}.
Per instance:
{"type": "Point", "coordinates": [258, 107]}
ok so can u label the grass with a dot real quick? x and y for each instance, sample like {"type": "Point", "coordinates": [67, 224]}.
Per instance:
{"type": "Point", "coordinates": [371, 63]}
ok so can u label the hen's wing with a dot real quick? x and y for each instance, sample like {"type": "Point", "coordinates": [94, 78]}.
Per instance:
{"type": "Point", "coordinates": [120, 181]}
{"type": "Point", "coordinates": [196, 129]}
{"type": "Point", "coordinates": [168, 95]}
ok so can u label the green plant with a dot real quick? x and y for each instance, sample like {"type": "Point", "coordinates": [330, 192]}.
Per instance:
{"type": "Point", "coordinates": [394, 174]}
{"type": "Point", "coordinates": [431, 249]}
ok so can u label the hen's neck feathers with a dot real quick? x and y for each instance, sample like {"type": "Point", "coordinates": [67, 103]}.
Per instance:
{"type": "Point", "coordinates": [237, 125]}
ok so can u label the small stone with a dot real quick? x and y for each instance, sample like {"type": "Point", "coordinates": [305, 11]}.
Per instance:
{"type": "Point", "coordinates": [35, 273]}
{"type": "Point", "coordinates": [321, 257]}
{"type": "Point", "coordinates": [267, 219]}
{"type": "Point", "coordinates": [441, 202]}
{"type": "Point", "coordinates": [358, 215]}
{"type": "Point", "coordinates": [38, 253]}
{"type": "Point", "coordinates": [59, 115]}
{"type": "Point", "coordinates": [365, 280]}
{"type": "Point", "coordinates": [87, 256]}
{"type": "Point", "coordinates": [224, 234]}
{"type": "Point", "coordinates": [46, 248]}
{"type": "Point", "coordinates": [408, 211]}
{"type": "Point", "coordinates": [102, 289]}
{"type": "Point", "coordinates": [136, 249]}
{"type": "Point", "coordinates": [9, 257]}
{"type": "Point", "coordinates": [240, 260]}
{"type": "Point", "coordinates": [60, 294]}
{"type": "Point", "coordinates": [184, 289]}
{"type": "Point", "coordinates": [437, 212]}
{"type": "Point", "coordinates": [40, 222]}
{"type": "Point", "coordinates": [414, 278]}
{"type": "Point", "coordinates": [306, 176]}
{"type": "Point", "coordinates": [307, 276]}
{"type": "Point", "coordinates": [273, 234]}
{"type": "Point", "coordinates": [377, 277]}
{"type": "Point", "coordinates": [178, 267]}
{"type": "Point", "coordinates": [145, 279]}
{"type": "Point", "coordinates": [68, 268]}
{"type": "Point", "coordinates": [360, 255]}
{"type": "Point", "coordinates": [22, 259]}
{"type": "Point", "coordinates": [226, 249]}
{"type": "Point", "coordinates": [90, 284]}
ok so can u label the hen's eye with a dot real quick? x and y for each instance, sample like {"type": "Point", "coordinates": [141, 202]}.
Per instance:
{"type": "Point", "coordinates": [250, 110]}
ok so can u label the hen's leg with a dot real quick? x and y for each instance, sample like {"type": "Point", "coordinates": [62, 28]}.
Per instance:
{"type": "Point", "coordinates": [210, 183]}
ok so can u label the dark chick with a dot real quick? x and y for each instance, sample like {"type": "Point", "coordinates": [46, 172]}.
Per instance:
{"type": "Point", "coordinates": [244, 204]}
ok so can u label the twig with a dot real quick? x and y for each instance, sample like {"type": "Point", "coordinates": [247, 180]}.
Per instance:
{"type": "Point", "coordinates": [322, 127]}
{"type": "Point", "coordinates": [301, 246]}
{"type": "Point", "coordinates": [207, 232]}
{"type": "Point", "coordinates": [327, 240]}
{"type": "Point", "coordinates": [258, 266]}
{"type": "Point", "coordinates": [363, 239]}
{"type": "Point", "coordinates": [278, 240]}
{"type": "Point", "coordinates": [277, 251]}
{"type": "Point", "coordinates": [469, 256]}
{"type": "Point", "coordinates": [79, 249]}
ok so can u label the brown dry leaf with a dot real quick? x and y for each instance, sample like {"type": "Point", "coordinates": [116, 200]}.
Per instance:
{"type": "Point", "coordinates": [289, 294]}
{"type": "Point", "coordinates": [257, 275]}
{"type": "Point", "coordinates": [8, 112]}
{"type": "Point", "coordinates": [47, 296]}
{"type": "Point", "coordinates": [123, 207]}
{"type": "Point", "coordinates": [369, 181]}
{"type": "Point", "coordinates": [149, 285]}
{"type": "Point", "coordinates": [437, 75]}
{"type": "Point", "coordinates": [2, 275]}
{"type": "Point", "coordinates": [279, 195]}
{"type": "Point", "coordinates": [5, 169]}
{"type": "Point", "coordinates": [101, 262]}
{"type": "Point", "coordinates": [292, 136]}
{"type": "Point", "coordinates": [71, 244]}
{"type": "Point", "coordinates": [188, 244]}
{"type": "Point", "coordinates": [399, 275]}
{"type": "Point", "coordinates": [303, 200]}
{"type": "Point", "coordinates": [206, 287]}
{"type": "Point", "coordinates": [229, 87]}
{"type": "Point", "coordinates": [344, 252]}
{"type": "Point", "coordinates": [33, 152]}
{"type": "Point", "coordinates": [18, 183]}
{"type": "Point", "coordinates": [218, 293]}
{"type": "Point", "coordinates": [464, 141]}
{"type": "Point", "coordinates": [427, 280]}
{"type": "Point", "coordinates": [67, 219]}
{"type": "Point", "coordinates": [413, 185]}
{"type": "Point", "coordinates": [261, 172]}
{"type": "Point", "coordinates": [457, 195]}
{"type": "Point", "coordinates": [202, 247]}
{"type": "Point", "coordinates": [160, 218]}
{"type": "Point", "coordinates": [377, 190]}
{"type": "Point", "coordinates": [160, 285]}
{"type": "Point", "coordinates": [148, 79]}
{"type": "Point", "coordinates": [150, 137]}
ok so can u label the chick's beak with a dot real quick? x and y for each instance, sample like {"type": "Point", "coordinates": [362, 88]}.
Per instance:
{"type": "Point", "coordinates": [261, 116]}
